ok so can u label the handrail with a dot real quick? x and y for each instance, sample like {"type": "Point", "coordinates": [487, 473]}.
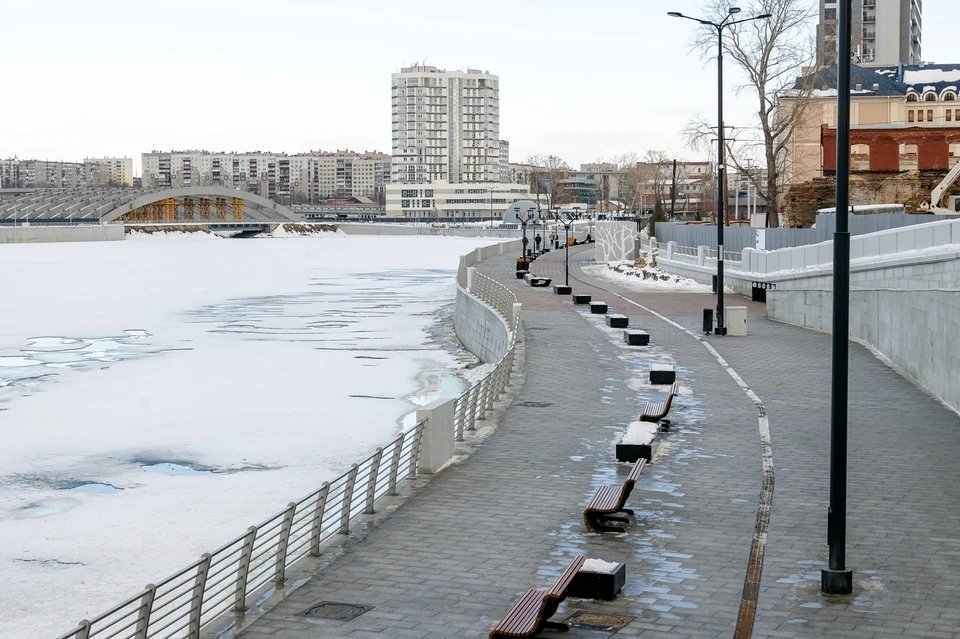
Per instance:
{"type": "Point", "coordinates": [222, 581]}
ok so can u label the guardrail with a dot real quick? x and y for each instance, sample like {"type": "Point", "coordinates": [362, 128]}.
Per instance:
{"type": "Point", "coordinates": [224, 580]}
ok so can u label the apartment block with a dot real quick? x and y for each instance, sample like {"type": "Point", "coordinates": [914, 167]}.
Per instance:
{"type": "Point", "coordinates": [884, 32]}
{"type": "Point", "coordinates": [57, 174]}
{"type": "Point", "coordinates": [441, 200]}
{"type": "Point", "coordinates": [109, 171]}
{"type": "Point", "coordinates": [446, 126]}
{"type": "Point", "coordinates": [305, 177]}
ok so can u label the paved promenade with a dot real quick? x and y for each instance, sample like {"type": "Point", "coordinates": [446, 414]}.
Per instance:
{"type": "Point", "coordinates": [451, 560]}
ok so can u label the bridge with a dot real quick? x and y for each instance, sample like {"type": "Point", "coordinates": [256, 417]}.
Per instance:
{"type": "Point", "coordinates": [196, 204]}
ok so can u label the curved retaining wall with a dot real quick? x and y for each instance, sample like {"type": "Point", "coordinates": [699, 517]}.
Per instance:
{"type": "Point", "coordinates": [486, 330]}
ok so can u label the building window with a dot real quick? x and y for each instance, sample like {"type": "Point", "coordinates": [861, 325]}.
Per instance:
{"type": "Point", "coordinates": [408, 193]}
{"type": "Point", "coordinates": [930, 97]}
{"type": "Point", "coordinates": [919, 118]}
{"type": "Point", "coordinates": [405, 204]}
{"type": "Point", "coordinates": [929, 115]}
{"type": "Point", "coordinates": [957, 115]}
{"type": "Point", "coordinates": [910, 117]}
{"type": "Point", "coordinates": [949, 115]}
{"type": "Point", "coordinates": [910, 98]}
{"type": "Point", "coordinates": [949, 97]}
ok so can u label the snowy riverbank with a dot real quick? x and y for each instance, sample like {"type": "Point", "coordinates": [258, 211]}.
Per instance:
{"type": "Point", "coordinates": [159, 397]}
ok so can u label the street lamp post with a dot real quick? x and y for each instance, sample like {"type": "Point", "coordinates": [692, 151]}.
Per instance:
{"type": "Point", "coordinates": [529, 215]}
{"type": "Point", "coordinates": [491, 207]}
{"type": "Point", "coordinates": [566, 246]}
{"type": "Point", "coordinates": [726, 22]}
{"type": "Point", "coordinates": [836, 579]}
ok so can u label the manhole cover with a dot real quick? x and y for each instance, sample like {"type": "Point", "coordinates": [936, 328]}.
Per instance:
{"type": "Point", "coordinates": [594, 621]}
{"type": "Point", "coordinates": [335, 611]}
{"type": "Point", "coordinates": [535, 404]}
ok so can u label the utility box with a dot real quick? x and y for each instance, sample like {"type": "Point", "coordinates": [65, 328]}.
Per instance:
{"type": "Point", "coordinates": [736, 320]}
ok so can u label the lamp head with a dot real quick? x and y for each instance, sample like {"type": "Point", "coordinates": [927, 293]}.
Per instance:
{"type": "Point", "coordinates": [765, 15]}
{"type": "Point", "coordinates": [734, 10]}
{"type": "Point", "coordinates": [674, 14]}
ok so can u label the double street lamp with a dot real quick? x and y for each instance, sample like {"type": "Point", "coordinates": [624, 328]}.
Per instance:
{"type": "Point", "coordinates": [728, 21]}
{"type": "Point", "coordinates": [566, 245]}
{"type": "Point", "coordinates": [529, 215]}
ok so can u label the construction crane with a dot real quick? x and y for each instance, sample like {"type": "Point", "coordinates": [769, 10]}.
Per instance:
{"type": "Point", "coordinates": [936, 196]}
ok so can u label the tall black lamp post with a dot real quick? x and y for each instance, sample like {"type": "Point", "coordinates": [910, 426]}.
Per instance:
{"type": "Point", "coordinates": [529, 214]}
{"type": "Point", "coordinates": [723, 24]}
{"type": "Point", "coordinates": [836, 579]}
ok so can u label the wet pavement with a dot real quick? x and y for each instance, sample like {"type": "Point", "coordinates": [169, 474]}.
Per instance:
{"type": "Point", "coordinates": [452, 559]}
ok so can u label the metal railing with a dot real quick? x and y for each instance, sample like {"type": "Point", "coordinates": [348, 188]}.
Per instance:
{"type": "Point", "coordinates": [224, 580]}
{"type": "Point", "coordinates": [685, 250]}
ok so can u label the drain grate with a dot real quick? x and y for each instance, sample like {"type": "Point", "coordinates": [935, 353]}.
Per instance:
{"type": "Point", "coordinates": [335, 611]}
{"type": "Point", "coordinates": [535, 404]}
{"type": "Point", "coordinates": [595, 621]}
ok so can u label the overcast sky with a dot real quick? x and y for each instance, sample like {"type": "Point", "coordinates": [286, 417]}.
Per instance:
{"type": "Point", "coordinates": [583, 80]}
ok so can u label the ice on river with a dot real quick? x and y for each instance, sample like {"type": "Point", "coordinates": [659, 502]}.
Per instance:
{"type": "Point", "coordinates": [157, 398]}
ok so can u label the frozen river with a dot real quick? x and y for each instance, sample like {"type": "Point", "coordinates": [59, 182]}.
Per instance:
{"type": "Point", "coordinates": [158, 397]}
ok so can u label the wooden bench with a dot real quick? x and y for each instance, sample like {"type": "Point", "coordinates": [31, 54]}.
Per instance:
{"type": "Point", "coordinates": [656, 411]}
{"type": "Point", "coordinates": [610, 500]}
{"type": "Point", "coordinates": [528, 616]}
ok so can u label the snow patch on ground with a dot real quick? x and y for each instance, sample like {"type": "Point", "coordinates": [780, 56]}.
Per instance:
{"type": "Point", "coordinates": [599, 565]}
{"type": "Point", "coordinates": [644, 278]}
{"type": "Point", "coordinates": [161, 233]}
{"type": "Point", "coordinates": [640, 433]}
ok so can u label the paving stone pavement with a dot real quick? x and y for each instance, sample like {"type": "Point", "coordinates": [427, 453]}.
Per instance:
{"type": "Point", "coordinates": [452, 559]}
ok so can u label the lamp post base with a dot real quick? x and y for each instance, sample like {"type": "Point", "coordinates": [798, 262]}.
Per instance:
{"type": "Point", "coordinates": [836, 582]}
{"type": "Point", "coordinates": [720, 330]}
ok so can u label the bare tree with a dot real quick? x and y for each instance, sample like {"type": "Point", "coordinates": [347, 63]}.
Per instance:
{"type": "Point", "coordinates": [546, 176]}
{"type": "Point", "coordinates": [772, 53]}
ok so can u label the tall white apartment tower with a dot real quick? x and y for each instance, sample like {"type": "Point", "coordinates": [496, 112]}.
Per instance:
{"type": "Point", "coordinates": [446, 126]}
{"type": "Point", "coordinates": [885, 32]}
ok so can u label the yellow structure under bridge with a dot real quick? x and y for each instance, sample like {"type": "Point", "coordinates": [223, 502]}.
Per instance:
{"type": "Point", "coordinates": [188, 210]}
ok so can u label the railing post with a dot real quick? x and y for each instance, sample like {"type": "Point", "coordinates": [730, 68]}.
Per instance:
{"type": "Point", "coordinates": [701, 255]}
{"type": "Point", "coordinates": [415, 448]}
{"type": "Point", "coordinates": [671, 247]}
{"type": "Point", "coordinates": [515, 321]}
{"type": "Point", "coordinates": [459, 415]}
{"type": "Point", "coordinates": [284, 543]}
{"type": "Point", "coordinates": [493, 385]}
{"type": "Point", "coordinates": [143, 616]}
{"type": "Point", "coordinates": [84, 631]}
{"type": "Point", "coordinates": [372, 482]}
{"type": "Point", "coordinates": [243, 570]}
{"type": "Point", "coordinates": [483, 396]}
{"type": "Point", "coordinates": [470, 271]}
{"type": "Point", "coordinates": [347, 497]}
{"type": "Point", "coordinates": [395, 466]}
{"type": "Point", "coordinates": [196, 599]}
{"type": "Point", "coordinates": [318, 519]}
{"type": "Point", "coordinates": [472, 406]}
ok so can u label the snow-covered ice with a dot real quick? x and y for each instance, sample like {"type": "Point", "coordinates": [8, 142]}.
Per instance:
{"type": "Point", "coordinates": [157, 398]}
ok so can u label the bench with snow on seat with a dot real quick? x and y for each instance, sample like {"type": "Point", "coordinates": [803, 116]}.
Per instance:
{"type": "Point", "coordinates": [533, 280]}
{"type": "Point", "coordinates": [610, 500]}
{"type": "Point", "coordinates": [528, 616]}
{"type": "Point", "coordinates": [657, 411]}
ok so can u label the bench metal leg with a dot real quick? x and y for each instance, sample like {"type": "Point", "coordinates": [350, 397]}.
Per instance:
{"type": "Point", "coordinates": [612, 518]}
{"type": "Point", "coordinates": [599, 526]}
{"type": "Point", "coordinates": [553, 625]}
{"type": "Point", "coordinates": [625, 510]}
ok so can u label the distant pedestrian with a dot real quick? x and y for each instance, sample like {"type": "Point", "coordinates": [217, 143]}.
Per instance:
{"type": "Point", "coordinates": [525, 242]}
{"type": "Point", "coordinates": [536, 242]}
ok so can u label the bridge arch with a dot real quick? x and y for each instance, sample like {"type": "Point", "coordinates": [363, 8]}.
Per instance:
{"type": "Point", "coordinates": [259, 208]}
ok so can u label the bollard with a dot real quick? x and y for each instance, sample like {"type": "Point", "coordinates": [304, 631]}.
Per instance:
{"type": "Point", "coordinates": [437, 444]}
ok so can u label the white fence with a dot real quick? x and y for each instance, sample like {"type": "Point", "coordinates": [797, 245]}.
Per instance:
{"type": "Point", "coordinates": [227, 579]}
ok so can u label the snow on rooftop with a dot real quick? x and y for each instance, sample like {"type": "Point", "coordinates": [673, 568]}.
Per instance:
{"type": "Point", "coordinates": [931, 76]}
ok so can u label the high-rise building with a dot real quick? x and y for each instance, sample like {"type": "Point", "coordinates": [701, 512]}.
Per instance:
{"type": "Point", "coordinates": [57, 174]}
{"type": "Point", "coordinates": [884, 32]}
{"type": "Point", "coordinates": [109, 171]}
{"type": "Point", "coordinates": [305, 177]}
{"type": "Point", "coordinates": [446, 126]}
{"type": "Point", "coordinates": [505, 162]}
